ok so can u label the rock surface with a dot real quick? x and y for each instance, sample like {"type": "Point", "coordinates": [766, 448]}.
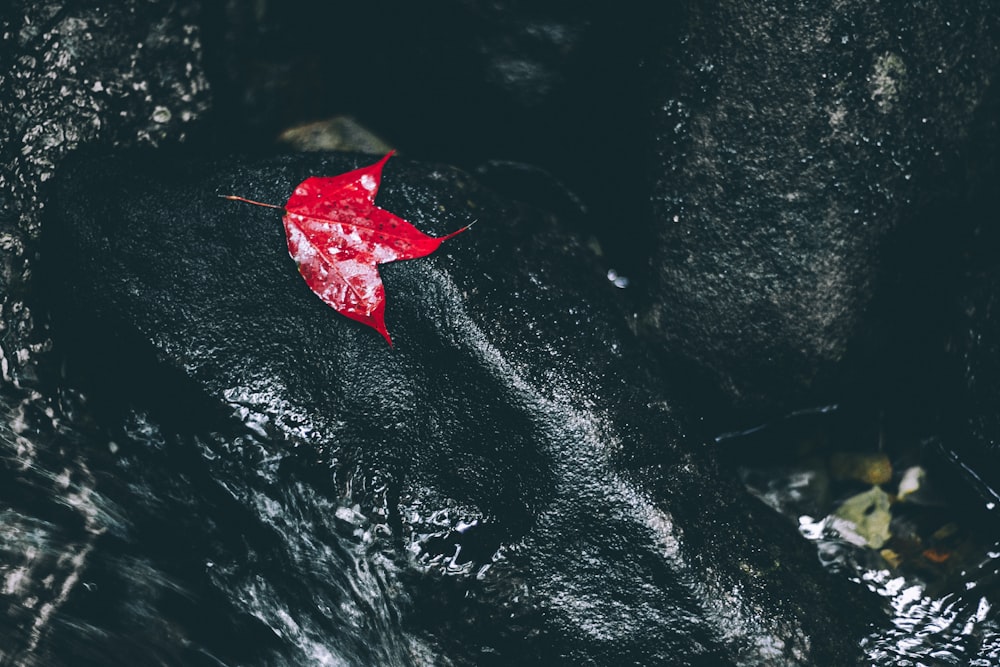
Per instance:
{"type": "Point", "coordinates": [968, 451]}
{"type": "Point", "coordinates": [71, 74]}
{"type": "Point", "coordinates": [971, 442]}
{"type": "Point", "coordinates": [546, 499]}
{"type": "Point", "coordinates": [792, 138]}
{"type": "Point", "coordinates": [547, 84]}
{"type": "Point", "coordinates": [125, 74]}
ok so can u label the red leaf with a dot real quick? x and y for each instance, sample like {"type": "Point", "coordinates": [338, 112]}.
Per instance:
{"type": "Point", "coordinates": [337, 236]}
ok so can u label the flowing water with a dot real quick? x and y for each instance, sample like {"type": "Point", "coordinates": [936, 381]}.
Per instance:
{"type": "Point", "coordinates": [216, 539]}
{"type": "Point", "coordinates": [219, 542]}
{"type": "Point", "coordinates": [158, 544]}
{"type": "Point", "coordinates": [896, 521]}
{"type": "Point", "coordinates": [150, 545]}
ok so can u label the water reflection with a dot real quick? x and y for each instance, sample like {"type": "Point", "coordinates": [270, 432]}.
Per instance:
{"type": "Point", "coordinates": [146, 543]}
{"type": "Point", "coordinates": [235, 549]}
{"type": "Point", "coordinates": [889, 519]}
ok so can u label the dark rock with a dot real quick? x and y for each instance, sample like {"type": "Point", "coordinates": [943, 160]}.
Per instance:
{"type": "Point", "coordinates": [549, 503]}
{"type": "Point", "coordinates": [793, 138]}
{"type": "Point", "coordinates": [972, 444]}
{"type": "Point", "coordinates": [128, 73]}
{"type": "Point", "coordinates": [551, 84]}
{"type": "Point", "coordinates": [971, 439]}
{"type": "Point", "coordinates": [502, 66]}
{"type": "Point", "coordinates": [71, 74]}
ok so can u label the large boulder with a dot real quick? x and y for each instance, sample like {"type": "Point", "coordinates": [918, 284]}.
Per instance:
{"type": "Point", "coordinates": [129, 73]}
{"type": "Point", "coordinates": [792, 140]}
{"type": "Point", "coordinates": [545, 497]}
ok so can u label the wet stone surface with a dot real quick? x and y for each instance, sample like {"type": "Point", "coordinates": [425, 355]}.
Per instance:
{"type": "Point", "coordinates": [887, 512]}
{"type": "Point", "coordinates": [210, 467]}
{"type": "Point", "coordinates": [71, 75]}
{"type": "Point", "coordinates": [126, 74]}
{"type": "Point", "coordinates": [533, 493]}
{"type": "Point", "coordinates": [790, 143]}
{"type": "Point", "coordinates": [972, 441]}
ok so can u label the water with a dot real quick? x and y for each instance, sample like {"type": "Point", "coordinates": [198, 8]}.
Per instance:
{"type": "Point", "coordinates": [890, 519]}
{"type": "Point", "coordinates": [145, 544]}
{"type": "Point", "coordinates": [220, 542]}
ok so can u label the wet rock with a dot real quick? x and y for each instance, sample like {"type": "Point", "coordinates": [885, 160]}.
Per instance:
{"type": "Point", "coordinates": [551, 84]}
{"type": "Point", "coordinates": [967, 386]}
{"type": "Point", "coordinates": [976, 443]}
{"type": "Point", "coordinates": [972, 442]}
{"type": "Point", "coordinates": [71, 74]}
{"type": "Point", "coordinates": [123, 74]}
{"type": "Point", "coordinates": [792, 140]}
{"type": "Point", "coordinates": [546, 500]}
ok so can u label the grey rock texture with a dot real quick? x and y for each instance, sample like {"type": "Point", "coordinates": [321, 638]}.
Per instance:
{"type": "Point", "coordinates": [551, 503]}
{"type": "Point", "coordinates": [792, 138]}
{"type": "Point", "coordinates": [72, 74]}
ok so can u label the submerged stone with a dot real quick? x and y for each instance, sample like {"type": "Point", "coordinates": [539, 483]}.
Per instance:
{"type": "Point", "coordinates": [546, 499]}
{"type": "Point", "coordinates": [867, 516]}
{"type": "Point", "coordinates": [868, 467]}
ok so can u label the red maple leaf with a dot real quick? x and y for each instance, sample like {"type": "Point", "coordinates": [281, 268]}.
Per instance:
{"type": "Point", "coordinates": [338, 236]}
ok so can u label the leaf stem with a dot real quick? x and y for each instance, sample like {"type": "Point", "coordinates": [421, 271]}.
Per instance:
{"type": "Point", "coordinates": [251, 201]}
{"type": "Point", "coordinates": [458, 231]}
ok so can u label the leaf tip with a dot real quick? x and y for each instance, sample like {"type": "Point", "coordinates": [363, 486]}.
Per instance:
{"type": "Point", "coordinates": [381, 163]}
{"type": "Point", "coordinates": [377, 321]}
{"type": "Point", "coordinates": [385, 334]}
